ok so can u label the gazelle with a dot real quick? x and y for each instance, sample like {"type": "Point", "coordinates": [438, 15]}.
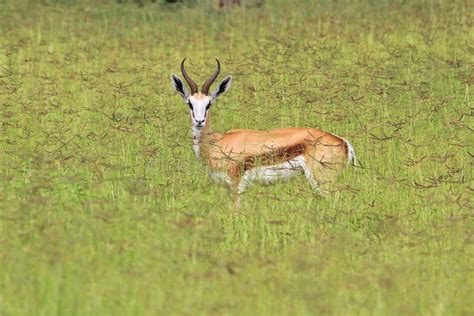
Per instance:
{"type": "Point", "coordinates": [241, 157]}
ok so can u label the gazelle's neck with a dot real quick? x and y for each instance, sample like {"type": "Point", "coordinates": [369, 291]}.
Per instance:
{"type": "Point", "coordinates": [201, 135]}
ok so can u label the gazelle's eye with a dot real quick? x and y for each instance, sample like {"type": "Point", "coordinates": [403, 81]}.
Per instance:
{"type": "Point", "coordinates": [190, 105]}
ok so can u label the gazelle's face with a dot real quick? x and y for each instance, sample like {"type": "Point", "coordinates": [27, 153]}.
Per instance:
{"type": "Point", "coordinates": [199, 105]}
{"type": "Point", "coordinates": [199, 102]}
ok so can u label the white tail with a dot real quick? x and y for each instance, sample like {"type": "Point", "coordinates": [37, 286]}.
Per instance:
{"type": "Point", "coordinates": [351, 155]}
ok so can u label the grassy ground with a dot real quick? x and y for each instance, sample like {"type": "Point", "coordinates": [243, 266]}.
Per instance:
{"type": "Point", "coordinates": [104, 211]}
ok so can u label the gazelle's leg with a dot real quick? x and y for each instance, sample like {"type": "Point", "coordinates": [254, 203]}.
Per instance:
{"type": "Point", "coordinates": [244, 182]}
{"type": "Point", "coordinates": [308, 173]}
{"type": "Point", "coordinates": [236, 188]}
{"type": "Point", "coordinates": [237, 202]}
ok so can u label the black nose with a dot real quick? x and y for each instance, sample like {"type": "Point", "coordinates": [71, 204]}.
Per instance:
{"type": "Point", "coordinates": [199, 121]}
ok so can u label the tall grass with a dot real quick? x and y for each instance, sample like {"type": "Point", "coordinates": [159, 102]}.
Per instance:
{"type": "Point", "coordinates": [103, 209]}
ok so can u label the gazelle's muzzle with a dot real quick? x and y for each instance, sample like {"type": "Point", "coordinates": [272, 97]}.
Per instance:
{"type": "Point", "coordinates": [200, 123]}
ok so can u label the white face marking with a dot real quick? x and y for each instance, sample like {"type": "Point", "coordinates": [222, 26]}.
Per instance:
{"type": "Point", "coordinates": [198, 110]}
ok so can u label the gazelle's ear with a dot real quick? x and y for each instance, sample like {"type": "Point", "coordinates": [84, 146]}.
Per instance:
{"type": "Point", "coordinates": [179, 86]}
{"type": "Point", "coordinates": [222, 87]}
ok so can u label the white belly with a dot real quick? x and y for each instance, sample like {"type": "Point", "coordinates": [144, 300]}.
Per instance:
{"type": "Point", "coordinates": [271, 174]}
{"type": "Point", "coordinates": [266, 174]}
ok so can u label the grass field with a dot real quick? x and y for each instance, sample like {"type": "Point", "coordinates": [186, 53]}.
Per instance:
{"type": "Point", "coordinates": [104, 210]}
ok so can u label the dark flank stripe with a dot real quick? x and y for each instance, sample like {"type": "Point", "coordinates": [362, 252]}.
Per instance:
{"type": "Point", "coordinates": [277, 156]}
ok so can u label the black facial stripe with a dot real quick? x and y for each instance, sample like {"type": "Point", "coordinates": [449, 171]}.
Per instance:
{"type": "Point", "coordinates": [207, 108]}
{"type": "Point", "coordinates": [190, 105]}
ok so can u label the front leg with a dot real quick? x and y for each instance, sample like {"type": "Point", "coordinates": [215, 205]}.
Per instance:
{"type": "Point", "coordinates": [243, 183]}
{"type": "Point", "coordinates": [237, 186]}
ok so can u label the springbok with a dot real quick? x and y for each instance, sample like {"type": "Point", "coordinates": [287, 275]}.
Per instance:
{"type": "Point", "coordinates": [241, 157]}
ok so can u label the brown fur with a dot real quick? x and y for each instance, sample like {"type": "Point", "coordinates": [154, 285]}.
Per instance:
{"type": "Point", "coordinates": [199, 95]}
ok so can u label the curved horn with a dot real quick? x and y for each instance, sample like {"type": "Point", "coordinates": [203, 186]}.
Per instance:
{"type": "Point", "coordinates": [188, 79]}
{"type": "Point", "coordinates": [210, 81]}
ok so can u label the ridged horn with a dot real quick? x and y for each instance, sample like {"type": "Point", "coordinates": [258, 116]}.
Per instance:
{"type": "Point", "coordinates": [210, 81]}
{"type": "Point", "coordinates": [188, 79]}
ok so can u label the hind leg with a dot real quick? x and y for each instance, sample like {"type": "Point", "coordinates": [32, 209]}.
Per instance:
{"type": "Point", "coordinates": [322, 172]}
{"type": "Point", "coordinates": [317, 188]}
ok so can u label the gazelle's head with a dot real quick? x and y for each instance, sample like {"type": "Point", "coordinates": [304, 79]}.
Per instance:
{"type": "Point", "coordinates": [200, 102]}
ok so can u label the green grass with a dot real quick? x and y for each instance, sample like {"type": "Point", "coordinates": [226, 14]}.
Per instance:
{"type": "Point", "coordinates": [104, 211]}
